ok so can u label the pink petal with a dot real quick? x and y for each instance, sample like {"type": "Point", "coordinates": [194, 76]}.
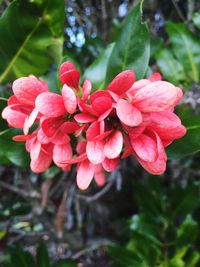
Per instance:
{"type": "Point", "coordinates": [136, 86]}
{"type": "Point", "coordinates": [85, 108]}
{"type": "Point", "coordinates": [87, 87]}
{"type": "Point", "coordinates": [113, 145]}
{"type": "Point", "coordinates": [85, 174]}
{"type": "Point", "coordinates": [84, 118]}
{"type": "Point", "coordinates": [166, 124]}
{"type": "Point", "coordinates": [128, 114]}
{"type": "Point", "coordinates": [50, 104]}
{"type": "Point", "coordinates": [110, 164]}
{"type": "Point", "coordinates": [69, 98]}
{"type": "Point", "coordinates": [30, 120]}
{"type": "Point", "coordinates": [156, 76]}
{"type": "Point", "coordinates": [60, 138]}
{"type": "Point", "coordinates": [69, 127]}
{"type": "Point", "coordinates": [62, 153]}
{"type": "Point", "coordinates": [102, 136]}
{"type": "Point", "coordinates": [14, 118]}
{"type": "Point", "coordinates": [145, 147]}
{"type": "Point", "coordinates": [157, 167]}
{"type": "Point", "coordinates": [93, 131]}
{"type": "Point", "coordinates": [22, 138]}
{"type": "Point", "coordinates": [101, 101]}
{"type": "Point", "coordinates": [51, 125]}
{"type": "Point", "coordinates": [81, 147]}
{"type": "Point", "coordinates": [134, 132]}
{"type": "Point", "coordinates": [122, 82]}
{"type": "Point", "coordinates": [157, 96]}
{"type": "Point", "coordinates": [69, 75]}
{"type": "Point", "coordinates": [99, 175]}
{"type": "Point", "coordinates": [42, 138]}
{"type": "Point", "coordinates": [35, 150]}
{"type": "Point", "coordinates": [26, 89]}
{"type": "Point", "coordinates": [95, 151]}
{"type": "Point", "coordinates": [41, 163]}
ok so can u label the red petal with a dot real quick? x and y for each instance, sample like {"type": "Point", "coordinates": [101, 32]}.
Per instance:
{"type": "Point", "coordinates": [30, 120]}
{"type": "Point", "coordinates": [156, 76]}
{"type": "Point", "coordinates": [95, 153]}
{"type": "Point", "coordinates": [62, 153]}
{"type": "Point", "coordinates": [81, 147]}
{"type": "Point", "coordinates": [22, 138]}
{"type": "Point", "coordinates": [85, 174]}
{"type": "Point", "coordinates": [157, 96]}
{"type": "Point", "coordinates": [110, 164]}
{"type": "Point", "coordinates": [35, 150]}
{"type": "Point", "coordinates": [99, 175]}
{"type": "Point", "coordinates": [69, 74]}
{"type": "Point", "coordinates": [145, 148]}
{"type": "Point", "coordinates": [14, 118]}
{"type": "Point", "coordinates": [69, 98]}
{"type": "Point", "coordinates": [69, 127]}
{"type": "Point", "coordinates": [84, 118]}
{"type": "Point", "coordinates": [101, 101]}
{"type": "Point", "coordinates": [158, 167]}
{"type": "Point", "coordinates": [166, 124]}
{"type": "Point", "coordinates": [50, 104]}
{"type": "Point", "coordinates": [26, 89]}
{"type": "Point", "coordinates": [122, 82]}
{"type": "Point", "coordinates": [42, 138]}
{"type": "Point", "coordinates": [113, 145]}
{"type": "Point", "coordinates": [93, 131]}
{"type": "Point", "coordinates": [51, 125]}
{"type": "Point", "coordinates": [87, 87]}
{"type": "Point", "coordinates": [41, 163]}
{"type": "Point", "coordinates": [60, 138]}
{"type": "Point", "coordinates": [128, 114]}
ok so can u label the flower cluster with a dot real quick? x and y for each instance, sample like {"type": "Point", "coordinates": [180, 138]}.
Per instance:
{"type": "Point", "coordinates": [95, 129]}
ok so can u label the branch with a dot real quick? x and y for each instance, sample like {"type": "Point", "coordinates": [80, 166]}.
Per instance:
{"type": "Point", "coordinates": [93, 247]}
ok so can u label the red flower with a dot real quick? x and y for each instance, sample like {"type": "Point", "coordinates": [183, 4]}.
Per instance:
{"type": "Point", "coordinates": [21, 112]}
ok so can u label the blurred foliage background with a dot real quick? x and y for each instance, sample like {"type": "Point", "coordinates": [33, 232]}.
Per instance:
{"type": "Point", "coordinates": [136, 219]}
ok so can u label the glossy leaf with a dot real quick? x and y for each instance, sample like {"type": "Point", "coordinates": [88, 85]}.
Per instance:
{"type": "Point", "coordinates": [171, 69]}
{"type": "Point", "coordinates": [12, 152]}
{"type": "Point", "coordinates": [196, 19]}
{"type": "Point", "coordinates": [186, 47]}
{"type": "Point", "coordinates": [190, 143]}
{"type": "Point", "coordinates": [66, 263]}
{"type": "Point", "coordinates": [43, 259]}
{"type": "Point", "coordinates": [31, 37]}
{"type": "Point", "coordinates": [188, 231]}
{"type": "Point", "coordinates": [132, 48]}
{"type": "Point", "coordinates": [96, 72]}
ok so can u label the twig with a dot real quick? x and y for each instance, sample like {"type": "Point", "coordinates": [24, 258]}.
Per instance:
{"type": "Point", "coordinates": [178, 10]}
{"type": "Point", "coordinates": [55, 188]}
{"type": "Point", "coordinates": [91, 248]}
{"type": "Point", "coordinates": [18, 191]}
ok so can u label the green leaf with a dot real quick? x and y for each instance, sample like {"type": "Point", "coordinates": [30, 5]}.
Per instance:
{"type": "Point", "coordinates": [187, 231]}
{"type": "Point", "coordinates": [132, 48]}
{"type": "Point", "coordinates": [171, 68]}
{"type": "Point", "coordinates": [125, 257]}
{"type": "Point", "coordinates": [194, 259]}
{"type": "Point", "coordinates": [21, 258]}
{"type": "Point", "coordinates": [196, 19]}
{"type": "Point", "coordinates": [12, 152]}
{"type": "Point", "coordinates": [66, 263]}
{"type": "Point", "coordinates": [31, 37]}
{"type": "Point", "coordinates": [190, 143]}
{"type": "Point", "coordinates": [42, 256]}
{"type": "Point", "coordinates": [96, 72]}
{"type": "Point", "coordinates": [186, 47]}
